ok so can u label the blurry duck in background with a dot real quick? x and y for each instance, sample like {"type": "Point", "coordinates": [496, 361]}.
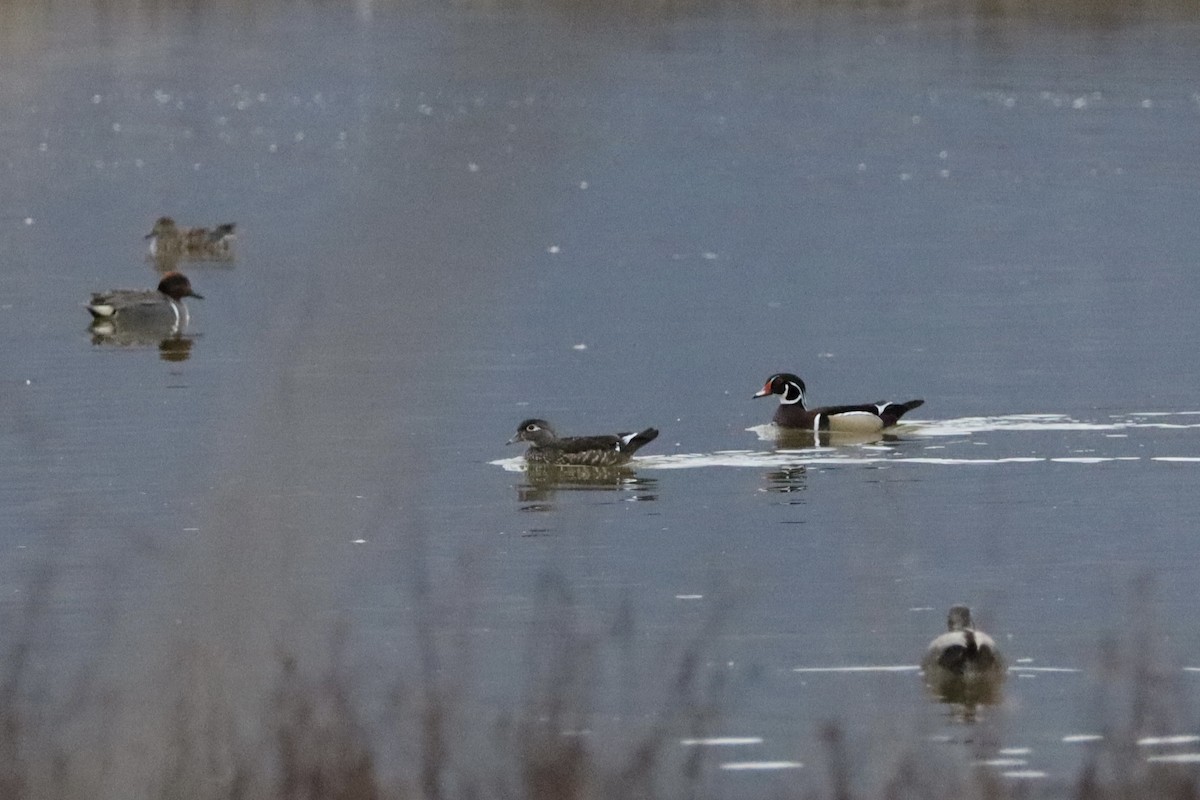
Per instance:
{"type": "Point", "coordinates": [169, 242]}
{"type": "Point", "coordinates": [964, 665]}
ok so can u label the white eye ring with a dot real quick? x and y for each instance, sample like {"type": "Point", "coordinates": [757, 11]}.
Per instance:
{"type": "Point", "coordinates": [531, 428]}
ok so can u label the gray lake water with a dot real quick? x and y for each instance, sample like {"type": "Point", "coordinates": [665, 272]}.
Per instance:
{"type": "Point", "coordinates": [452, 218]}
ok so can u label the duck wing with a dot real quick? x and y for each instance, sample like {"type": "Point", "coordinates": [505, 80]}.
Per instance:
{"type": "Point", "coordinates": [107, 304]}
{"type": "Point", "coordinates": [583, 444]}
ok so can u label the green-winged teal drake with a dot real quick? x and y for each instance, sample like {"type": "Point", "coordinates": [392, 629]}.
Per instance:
{"type": "Point", "coordinates": [792, 413]}
{"type": "Point", "coordinates": [547, 447]}
{"type": "Point", "coordinates": [151, 307]}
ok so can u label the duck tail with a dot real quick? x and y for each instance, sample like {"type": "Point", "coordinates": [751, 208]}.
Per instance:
{"type": "Point", "coordinates": [892, 412]}
{"type": "Point", "coordinates": [631, 442]}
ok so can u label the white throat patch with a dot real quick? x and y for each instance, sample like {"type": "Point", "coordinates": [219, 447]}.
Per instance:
{"type": "Point", "coordinates": [792, 394]}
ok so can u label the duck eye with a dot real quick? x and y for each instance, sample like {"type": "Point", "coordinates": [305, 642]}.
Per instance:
{"type": "Point", "coordinates": [531, 427]}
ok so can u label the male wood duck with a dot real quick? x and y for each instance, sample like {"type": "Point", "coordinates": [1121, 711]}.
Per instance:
{"type": "Point", "coordinates": [866, 418]}
{"type": "Point", "coordinates": [161, 307]}
{"type": "Point", "coordinates": [169, 241]}
{"type": "Point", "coordinates": [547, 447]}
{"type": "Point", "coordinates": [963, 664]}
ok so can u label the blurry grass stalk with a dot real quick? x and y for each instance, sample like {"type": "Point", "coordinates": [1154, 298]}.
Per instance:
{"type": "Point", "coordinates": [313, 739]}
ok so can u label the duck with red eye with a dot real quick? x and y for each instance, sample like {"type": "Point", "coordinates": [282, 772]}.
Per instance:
{"type": "Point", "coordinates": [547, 447]}
{"type": "Point", "coordinates": [792, 414]}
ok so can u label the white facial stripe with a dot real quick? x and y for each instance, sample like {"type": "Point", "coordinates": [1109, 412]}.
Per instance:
{"type": "Point", "coordinates": [627, 438]}
{"type": "Point", "coordinates": [882, 407]}
{"type": "Point", "coordinates": [787, 397]}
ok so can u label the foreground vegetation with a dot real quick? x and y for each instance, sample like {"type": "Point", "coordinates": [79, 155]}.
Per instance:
{"type": "Point", "coordinates": [311, 736]}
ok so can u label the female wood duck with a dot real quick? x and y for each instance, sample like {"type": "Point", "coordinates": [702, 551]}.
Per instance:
{"type": "Point", "coordinates": [161, 307]}
{"type": "Point", "coordinates": [547, 447]}
{"type": "Point", "coordinates": [169, 241]}
{"type": "Point", "coordinates": [964, 663]}
{"type": "Point", "coordinates": [866, 418]}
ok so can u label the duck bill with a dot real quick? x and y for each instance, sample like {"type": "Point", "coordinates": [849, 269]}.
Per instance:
{"type": "Point", "coordinates": [197, 296]}
{"type": "Point", "coordinates": [516, 438]}
{"type": "Point", "coordinates": [763, 392]}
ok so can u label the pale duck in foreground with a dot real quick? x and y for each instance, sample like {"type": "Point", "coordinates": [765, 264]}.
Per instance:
{"type": "Point", "coordinates": [793, 414]}
{"type": "Point", "coordinates": [168, 240]}
{"type": "Point", "coordinates": [547, 447]}
{"type": "Point", "coordinates": [151, 307]}
{"type": "Point", "coordinates": [964, 664]}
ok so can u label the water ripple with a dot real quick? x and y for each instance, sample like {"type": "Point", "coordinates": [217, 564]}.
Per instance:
{"type": "Point", "coordinates": [760, 765]}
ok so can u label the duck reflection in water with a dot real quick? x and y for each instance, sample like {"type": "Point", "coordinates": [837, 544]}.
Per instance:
{"type": "Point", "coordinates": [172, 346]}
{"type": "Point", "coordinates": [964, 665]}
{"type": "Point", "coordinates": [789, 480]}
{"type": "Point", "coordinates": [543, 482]}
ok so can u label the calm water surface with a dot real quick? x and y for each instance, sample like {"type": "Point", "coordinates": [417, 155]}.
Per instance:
{"type": "Point", "coordinates": [451, 219]}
